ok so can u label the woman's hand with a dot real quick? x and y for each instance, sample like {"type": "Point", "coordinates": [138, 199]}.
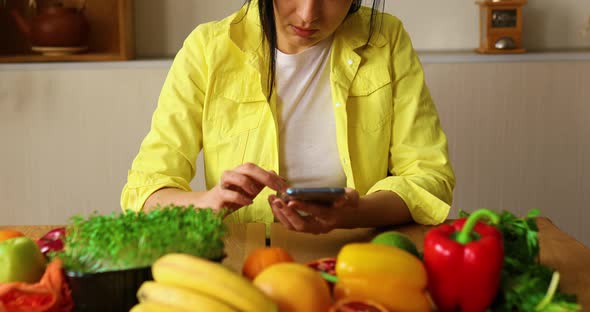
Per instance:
{"type": "Point", "coordinates": [320, 218]}
{"type": "Point", "coordinates": [238, 187]}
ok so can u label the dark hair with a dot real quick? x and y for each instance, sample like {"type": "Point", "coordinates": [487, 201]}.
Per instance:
{"type": "Point", "coordinates": [267, 20]}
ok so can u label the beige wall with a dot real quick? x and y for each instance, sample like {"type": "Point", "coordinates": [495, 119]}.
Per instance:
{"type": "Point", "coordinates": [68, 137]}
{"type": "Point", "coordinates": [162, 25]}
{"type": "Point", "coordinates": [518, 136]}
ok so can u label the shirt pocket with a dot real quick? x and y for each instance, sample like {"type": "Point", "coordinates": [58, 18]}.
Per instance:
{"type": "Point", "coordinates": [370, 102]}
{"type": "Point", "coordinates": [238, 109]}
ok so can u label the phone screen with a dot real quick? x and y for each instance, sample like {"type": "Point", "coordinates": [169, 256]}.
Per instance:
{"type": "Point", "coordinates": [321, 195]}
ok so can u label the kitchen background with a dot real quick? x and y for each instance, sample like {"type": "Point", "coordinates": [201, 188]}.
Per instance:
{"type": "Point", "coordinates": [434, 25]}
{"type": "Point", "coordinates": [518, 125]}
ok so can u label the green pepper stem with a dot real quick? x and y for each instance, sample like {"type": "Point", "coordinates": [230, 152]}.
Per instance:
{"type": "Point", "coordinates": [464, 235]}
{"type": "Point", "coordinates": [329, 277]}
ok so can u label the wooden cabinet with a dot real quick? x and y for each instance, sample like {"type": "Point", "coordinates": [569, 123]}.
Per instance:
{"type": "Point", "coordinates": [500, 24]}
{"type": "Point", "coordinates": [110, 38]}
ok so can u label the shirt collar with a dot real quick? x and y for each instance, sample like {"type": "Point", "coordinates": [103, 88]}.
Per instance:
{"type": "Point", "coordinates": [245, 30]}
{"type": "Point", "coordinates": [354, 31]}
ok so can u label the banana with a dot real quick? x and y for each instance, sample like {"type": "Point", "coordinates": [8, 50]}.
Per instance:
{"type": "Point", "coordinates": [180, 298]}
{"type": "Point", "coordinates": [155, 307]}
{"type": "Point", "coordinates": [212, 279]}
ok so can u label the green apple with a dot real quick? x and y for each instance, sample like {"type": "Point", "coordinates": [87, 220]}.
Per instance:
{"type": "Point", "coordinates": [21, 261]}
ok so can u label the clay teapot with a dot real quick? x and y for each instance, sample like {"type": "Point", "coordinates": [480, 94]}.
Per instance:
{"type": "Point", "coordinates": [54, 26]}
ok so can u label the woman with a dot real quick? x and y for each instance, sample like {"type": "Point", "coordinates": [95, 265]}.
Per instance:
{"type": "Point", "coordinates": [325, 92]}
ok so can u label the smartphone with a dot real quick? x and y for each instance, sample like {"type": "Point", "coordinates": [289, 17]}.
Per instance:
{"type": "Point", "coordinates": [320, 195]}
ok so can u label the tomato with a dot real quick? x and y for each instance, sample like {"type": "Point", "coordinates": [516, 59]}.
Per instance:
{"type": "Point", "coordinates": [7, 234]}
{"type": "Point", "coordinates": [261, 258]}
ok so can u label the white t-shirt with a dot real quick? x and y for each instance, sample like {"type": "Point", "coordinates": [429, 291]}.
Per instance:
{"type": "Point", "coordinates": [308, 151]}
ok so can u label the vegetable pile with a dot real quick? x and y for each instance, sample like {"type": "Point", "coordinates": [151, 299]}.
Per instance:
{"type": "Point", "coordinates": [469, 265]}
{"type": "Point", "coordinates": [472, 265]}
{"type": "Point", "coordinates": [134, 240]}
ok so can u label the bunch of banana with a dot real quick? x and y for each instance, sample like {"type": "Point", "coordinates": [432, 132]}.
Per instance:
{"type": "Point", "coordinates": [187, 283]}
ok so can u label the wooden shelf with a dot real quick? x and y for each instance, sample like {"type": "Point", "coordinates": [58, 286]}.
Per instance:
{"type": "Point", "coordinates": [94, 57]}
{"type": "Point", "coordinates": [111, 36]}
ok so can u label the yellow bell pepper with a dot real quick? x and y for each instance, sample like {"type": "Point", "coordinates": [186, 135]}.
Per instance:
{"type": "Point", "coordinates": [385, 274]}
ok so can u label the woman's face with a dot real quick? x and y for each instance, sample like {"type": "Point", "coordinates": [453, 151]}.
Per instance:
{"type": "Point", "coordinates": [303, 23]}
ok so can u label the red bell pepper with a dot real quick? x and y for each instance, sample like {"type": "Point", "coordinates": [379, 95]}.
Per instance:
{"type": "Point", "coordinates": [463, 262]}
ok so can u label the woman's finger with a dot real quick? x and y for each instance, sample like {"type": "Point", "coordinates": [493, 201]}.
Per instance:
{"type": "Point", "coordinates": [275, 205]}
{"type": "Point", "coordinates": [258, 187]}
{"type": "Point", "coordinates": [281, 217]}
{"type": "Point", "coordinates": [230, 197]}
{"type": "Point", "coordinates": [317, 210]}
{"type": "Point", "coordinates": [307, 224]}
{"type": "Point", "coordinates": [266, 178]}
{"type": "Point", "coordinates": [294, 218]}
{"type": "Point", "coordinates": [321, 218]}
{"type": "Point", "coordinates": [239, 182]}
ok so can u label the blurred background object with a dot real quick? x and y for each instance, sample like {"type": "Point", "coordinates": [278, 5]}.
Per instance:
{"type": "Point", "coordinates": [500, 24]}
{"type": "Point", "coordinates": [66, 30]}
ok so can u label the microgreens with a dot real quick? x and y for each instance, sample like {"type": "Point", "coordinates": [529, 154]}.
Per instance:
{"type": "Point", "coordinates": [133, 240]}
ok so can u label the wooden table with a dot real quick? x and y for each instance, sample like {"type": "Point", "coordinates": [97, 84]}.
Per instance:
{"type": "Point", "coordinates": [558, 250]}
{"type": "Point", "coordinates": [240, 241]}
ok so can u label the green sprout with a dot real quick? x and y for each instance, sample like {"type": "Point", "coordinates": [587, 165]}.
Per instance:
{"type": "Point", "coordinates": [135, 240]}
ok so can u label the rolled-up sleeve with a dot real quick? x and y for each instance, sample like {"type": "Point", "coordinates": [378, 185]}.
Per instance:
{"type": "Point", "coordinates": [419, 167]}
{"type": "Point", "coordinates": [168, 153]}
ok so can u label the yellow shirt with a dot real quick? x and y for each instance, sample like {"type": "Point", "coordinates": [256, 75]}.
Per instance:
{"type": "Point", "coordinates": [388, 131]}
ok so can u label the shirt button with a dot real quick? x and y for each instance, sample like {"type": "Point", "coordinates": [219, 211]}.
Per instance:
{"type": "Point", "coordinates": [344, 161]}
{"type": "Point", "coordinates": [338, 104]}
{"type": "Point", "coordinates": [350, 62]}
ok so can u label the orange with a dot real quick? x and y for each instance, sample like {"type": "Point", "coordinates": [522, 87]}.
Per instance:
{"type": "Point", "coordinates": [262, 258]}
{"type": "Point", "coordinates": [295, 287]}
{"type": "Point", "coordinates": [8, 234]}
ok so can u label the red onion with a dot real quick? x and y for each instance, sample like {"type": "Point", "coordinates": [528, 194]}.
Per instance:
{"type": "Point", "coordinates": [52, 240]}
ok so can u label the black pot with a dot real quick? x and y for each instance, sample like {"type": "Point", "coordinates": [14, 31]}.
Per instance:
{"type": "Point", "coordinates": [107, 291]}
{"type": "Point", "coordinates": [110, 291]}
